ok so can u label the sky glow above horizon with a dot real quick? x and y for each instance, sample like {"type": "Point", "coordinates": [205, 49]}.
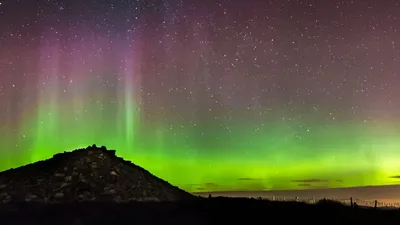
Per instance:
{"type": "Point", "coordinates": [208, 95]}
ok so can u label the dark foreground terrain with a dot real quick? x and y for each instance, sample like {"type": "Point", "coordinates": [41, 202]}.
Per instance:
{"type": "Point", "coordinates": [93, 186]}
{"type": "Point", "coordinates": [199, 211]}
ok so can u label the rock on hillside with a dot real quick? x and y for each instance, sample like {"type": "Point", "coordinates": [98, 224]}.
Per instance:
{"type": "Point", "coordinates": [91, 174]}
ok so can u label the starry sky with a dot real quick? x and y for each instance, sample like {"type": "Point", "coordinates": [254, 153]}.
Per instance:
{"type": "Point", "coordinates": [209, 95]}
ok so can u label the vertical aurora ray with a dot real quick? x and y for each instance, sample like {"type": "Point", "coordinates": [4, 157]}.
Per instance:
{"type": "Point", "coordinates": [128, 112]}
{"type": "Point", "coordinates": [47, 116]}
{"type": "Point", "coordinates": [72, 110]}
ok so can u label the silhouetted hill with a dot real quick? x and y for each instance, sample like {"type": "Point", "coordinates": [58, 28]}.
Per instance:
{"type": "Point", "coordinates": [91, 174]}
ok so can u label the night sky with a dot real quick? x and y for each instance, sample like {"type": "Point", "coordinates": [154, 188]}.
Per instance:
{"type": "Point", "coordinates": [209, 95]}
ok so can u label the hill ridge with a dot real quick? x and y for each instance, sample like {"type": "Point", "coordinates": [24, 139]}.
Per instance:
{"type": "Point", "coordinates": [86, 174]}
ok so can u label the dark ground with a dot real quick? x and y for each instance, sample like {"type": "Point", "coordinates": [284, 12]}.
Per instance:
{"type": "Point", "coordinates": [93, 186]}
{"type": "Point", "coordinates": [200, 211]}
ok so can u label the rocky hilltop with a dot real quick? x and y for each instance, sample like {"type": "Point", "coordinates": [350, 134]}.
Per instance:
{"type": "Point", "coordinates": [90, 174]}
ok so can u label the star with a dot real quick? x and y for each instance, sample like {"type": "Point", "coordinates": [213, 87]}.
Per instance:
{"type": "Point", "coordinates": [189, 84]}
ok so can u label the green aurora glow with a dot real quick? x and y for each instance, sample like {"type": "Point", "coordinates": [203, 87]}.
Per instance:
{"type": "Point", "coordinates": [270, 158]}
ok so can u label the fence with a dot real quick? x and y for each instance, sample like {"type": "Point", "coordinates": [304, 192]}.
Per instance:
{"type": "Point", "coordinates": [349, 201]}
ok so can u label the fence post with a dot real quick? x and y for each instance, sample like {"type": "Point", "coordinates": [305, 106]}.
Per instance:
{"type": "Point", "coordinates": [376, 203]}
{"type": "Point", "coordinates": [351, 202]}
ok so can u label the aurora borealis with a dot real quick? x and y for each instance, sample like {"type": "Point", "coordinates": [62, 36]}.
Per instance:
{"type": "Point", "coordinates": [209, 95]}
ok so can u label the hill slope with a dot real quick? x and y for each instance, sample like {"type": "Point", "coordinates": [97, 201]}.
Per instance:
{"type": "Point", "coordinates": [91, 174]}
